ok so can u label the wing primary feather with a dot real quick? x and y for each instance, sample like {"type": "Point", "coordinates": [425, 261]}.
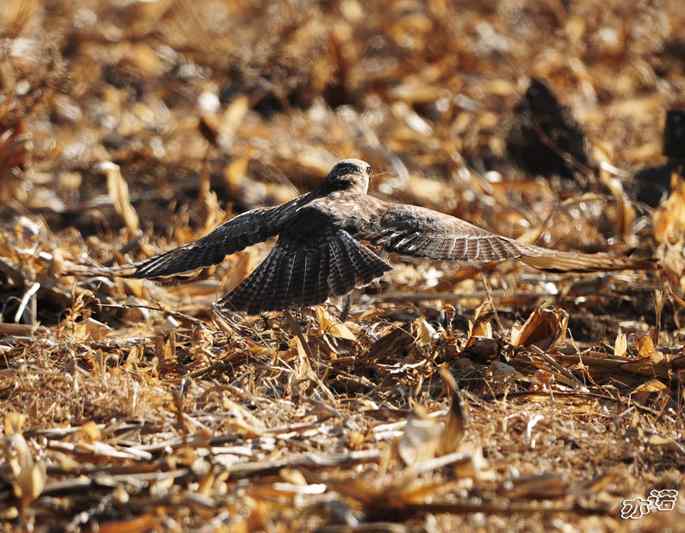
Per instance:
{"type": "Point", "coordinates": [344, 276]}
{"type": "Point", "coordinates": [234, 235]}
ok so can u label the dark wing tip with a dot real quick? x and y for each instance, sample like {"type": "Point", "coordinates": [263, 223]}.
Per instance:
{"type": "Point", "coordinates": [184, 259]}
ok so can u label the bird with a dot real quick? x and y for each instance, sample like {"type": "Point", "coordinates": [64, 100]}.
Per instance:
{"type": "Point", "coordinates": [542, 135]}
{"type": "Point", "coordinates": [327, 242]}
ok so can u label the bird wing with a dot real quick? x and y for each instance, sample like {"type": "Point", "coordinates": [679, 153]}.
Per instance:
{"type": "Point", "coordinates": [420, 232]}
{"type": "Point", "coordinates": [244, 230]}
{"type": "Point", "coordinates": [312, 260]}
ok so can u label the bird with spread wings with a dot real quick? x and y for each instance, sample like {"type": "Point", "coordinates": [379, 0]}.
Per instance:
{"type": "Point", "coordinates": [325, 241]}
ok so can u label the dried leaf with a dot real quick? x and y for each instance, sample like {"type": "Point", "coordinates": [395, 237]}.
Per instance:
{"type": "Point", "coordinates": [235, 174]}
{"type": "Point", "coordinates": [420, 440]}
{"type": "Point", "coordinates": [658, 440]}
{"type": "Point", "coordinates": [293, 476]}
{"type": "Point", "coordinates": [89, 432]}
{"type": "Point", "coordinates": [480, 330]}
{"type": "Point", "coordinates": [140, 524]}
{"type": "Point", "coordinates": [544, 328]}
{"type": "Point", "coordinates": [135, 286]}
{"type": "Point", "coordinates": [669, 231]}
{"type": "Point", "coordinates": [626, 212]}
{"type": "Point", "coordinates": [647, 350]}
{"type": "Point", "coordinates": [455, 426]}
{"type": "Point", "coordinates": [669, 218]}
{"type": "Point", "coordinates": [542, 486]}
{"type": "Point", "coordinates": [118, 193]}
{"type": "Point", "coordinates": [221, 130]}
{"type": "Point", "coordinates": [425, 437]}
{"type": "Point", "coordinates": [653, 385]}
{"type": "Point", "coordinates": [243, 419]}
{"type": "Point", "coordinates": [95, 330]}
{"type": "Point", "coordinates": [621, 344]}
{"type": "Point", "coordinates": [28, 477]}
{"type": "Point", "coordinates": [13, 423]}
{"type": "Point", "coordinates": [332, 326]}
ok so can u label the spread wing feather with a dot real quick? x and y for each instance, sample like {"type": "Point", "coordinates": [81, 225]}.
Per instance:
{"type": "Point", "coordinates": [420, 232]}
{"type": "Point", "coordinates": [244, 230]}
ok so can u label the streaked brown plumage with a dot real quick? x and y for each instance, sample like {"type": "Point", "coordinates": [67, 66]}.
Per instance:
{"type": "Point", "coordinates": [320, 250]}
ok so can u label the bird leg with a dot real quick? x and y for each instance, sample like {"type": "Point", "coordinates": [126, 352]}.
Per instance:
{"type": "Point", "coordinates": [297, 329]}
{"type": "Point", "coordinates": [346, 305]}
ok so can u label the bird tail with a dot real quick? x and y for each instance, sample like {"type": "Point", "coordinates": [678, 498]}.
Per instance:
{"type": "Point", "coordinates": [298, 274]}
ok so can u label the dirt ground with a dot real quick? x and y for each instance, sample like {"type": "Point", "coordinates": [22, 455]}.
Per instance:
{"type": "Point", "coordinates": [446, 397]}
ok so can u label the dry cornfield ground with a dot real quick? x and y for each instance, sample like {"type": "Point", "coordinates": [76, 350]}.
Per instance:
{"type": "Point", "coordinates": [446, 397]}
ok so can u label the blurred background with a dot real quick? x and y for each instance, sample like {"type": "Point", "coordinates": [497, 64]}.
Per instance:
{"type": "Point", "coordinates": [206, 108]}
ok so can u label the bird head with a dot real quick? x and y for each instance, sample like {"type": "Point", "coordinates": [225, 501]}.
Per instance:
{"type": "Point", "coordinates": [349, 175]}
